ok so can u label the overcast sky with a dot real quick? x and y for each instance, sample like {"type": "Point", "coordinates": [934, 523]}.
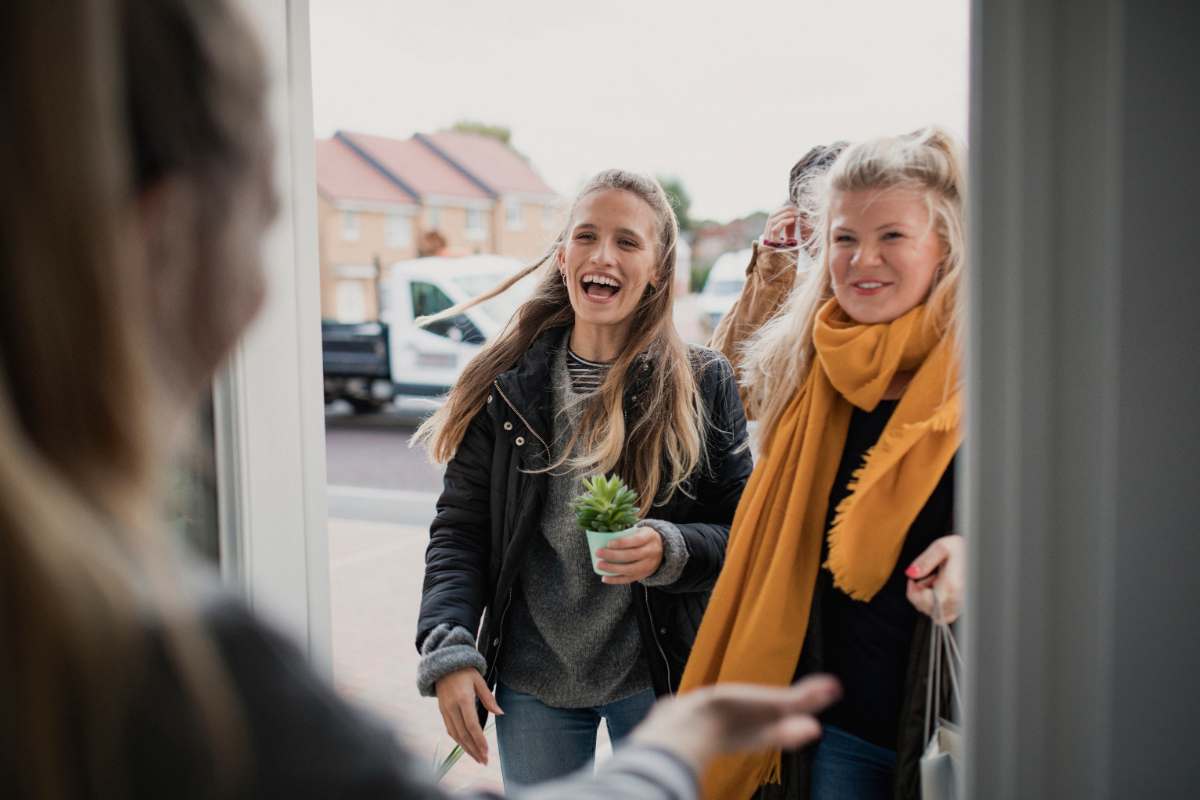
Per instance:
{"type": "Point", "coordinates": [725, 95]}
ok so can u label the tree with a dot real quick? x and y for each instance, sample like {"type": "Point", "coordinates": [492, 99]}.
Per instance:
{"type": "Point", "coordinates": [500, 133]}
{"type": "Point", "coordinates": [681, 201]}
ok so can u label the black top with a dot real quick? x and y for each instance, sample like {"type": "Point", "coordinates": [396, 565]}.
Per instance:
{"type": "Point", "coordinates": [866, 645]}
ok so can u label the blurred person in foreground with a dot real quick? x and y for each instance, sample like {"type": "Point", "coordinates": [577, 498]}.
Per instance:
{"type": "Point", "coordinates": [136, 132]}
{"type": "Point", "coordinates": [847, 526]}
{"type": "Point", "coordinates": [784, 251]}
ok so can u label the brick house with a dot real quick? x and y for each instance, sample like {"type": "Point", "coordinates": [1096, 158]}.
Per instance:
{"type": "Point", "coordinates": [380, 198]}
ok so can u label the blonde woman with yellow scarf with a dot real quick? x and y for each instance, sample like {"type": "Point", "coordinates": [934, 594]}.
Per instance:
{"type": "Point", "coordinates": [846, 528]}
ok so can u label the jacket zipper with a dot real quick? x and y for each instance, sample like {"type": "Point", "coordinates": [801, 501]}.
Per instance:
{"type": "Point", "coordinates": [657, 644]}
{"type": "Point", "coordinates": [532, 430]}
{"type": "Point", "coordinates": [500, 635]}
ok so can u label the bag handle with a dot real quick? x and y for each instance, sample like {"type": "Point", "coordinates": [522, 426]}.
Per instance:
{"type": "Point", "coordinates": [944, 655]}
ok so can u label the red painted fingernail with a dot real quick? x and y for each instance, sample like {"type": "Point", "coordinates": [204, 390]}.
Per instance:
{"type": "Point", "coordinates": [912, 571]}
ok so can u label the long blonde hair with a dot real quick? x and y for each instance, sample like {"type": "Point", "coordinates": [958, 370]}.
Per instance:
{"type": "Point", "coordinates": [670, 429]}
{"type": "Point", "coordinates": [779, 358]}
{"type": "Point", "coordinates": [84, 566]}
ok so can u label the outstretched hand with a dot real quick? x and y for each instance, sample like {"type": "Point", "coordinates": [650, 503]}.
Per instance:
{"type": "Point", "coordinates": [734, 717]}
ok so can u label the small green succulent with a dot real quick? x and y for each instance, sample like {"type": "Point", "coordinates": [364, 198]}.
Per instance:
{"type": "Point", "coordinates": [606, 506]}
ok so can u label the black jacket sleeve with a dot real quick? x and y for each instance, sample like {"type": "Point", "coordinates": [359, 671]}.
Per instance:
{"type": "Point", "coordinates": [456, 560]}
{"type": "Point", "coordinates": [719, 484]}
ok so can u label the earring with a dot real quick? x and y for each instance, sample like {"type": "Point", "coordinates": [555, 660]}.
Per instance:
{"type": "Point", "coordinates": [563, 275]}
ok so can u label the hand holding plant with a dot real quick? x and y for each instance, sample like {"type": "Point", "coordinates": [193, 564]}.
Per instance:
{"type": "Point", "coordinates": [621, 552]}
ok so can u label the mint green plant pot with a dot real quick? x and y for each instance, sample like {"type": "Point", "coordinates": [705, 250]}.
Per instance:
{"type": "Point", "coordinates": [597, 540]}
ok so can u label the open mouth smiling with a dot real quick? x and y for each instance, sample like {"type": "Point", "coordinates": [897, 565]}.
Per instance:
{"type": "Point", "coordinates": [598, 286]}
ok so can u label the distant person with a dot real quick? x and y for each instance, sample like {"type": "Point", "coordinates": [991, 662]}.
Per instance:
{"type": "Point", "coordinates": [847, 527]}
{"type": "Point", "coordinates": [431, 243]}
{"type": "Point", "coordinates": [590, 376]}
{"type": "Point", "coordinates": [784, 251]}
{"type": "Point", "coordinates": [137, 132]}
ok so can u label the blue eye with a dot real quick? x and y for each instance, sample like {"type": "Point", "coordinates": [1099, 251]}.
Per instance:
{"type": "Point", "coordinates": [893, 235]}
{"type": "Point", "coordinates": [843, 238]}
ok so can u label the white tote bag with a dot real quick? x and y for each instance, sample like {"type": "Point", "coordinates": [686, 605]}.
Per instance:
{"type": "Point", "coordinates": [942, 760]}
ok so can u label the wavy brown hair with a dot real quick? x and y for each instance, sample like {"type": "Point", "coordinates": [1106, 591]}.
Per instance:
{"type": "Point", "coordinates": [655, 451]}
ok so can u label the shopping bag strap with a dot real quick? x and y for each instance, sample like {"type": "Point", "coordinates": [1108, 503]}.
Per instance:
{"type": "Point", "coordinates": [944, 656]}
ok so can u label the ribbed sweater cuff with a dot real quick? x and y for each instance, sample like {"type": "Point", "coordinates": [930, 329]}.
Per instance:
{"type": "Point", "coordinates": [448, 648]}
{"type": "Point", "coordinates": [675, 553]}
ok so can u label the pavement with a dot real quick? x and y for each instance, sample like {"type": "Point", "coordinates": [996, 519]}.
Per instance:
{"type": "Point", "coordinates": [375, 589]}
{"type": "Point", "coordinates": [375, 571]}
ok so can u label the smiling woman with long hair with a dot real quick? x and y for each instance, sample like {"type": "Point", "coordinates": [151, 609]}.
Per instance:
{"type": "Point", "coordinates": [589, 377]}
{"type": "Point", "coordinates": [846, 528]}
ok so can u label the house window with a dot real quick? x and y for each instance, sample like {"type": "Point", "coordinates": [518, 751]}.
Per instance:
{"type": "Point", "coordinates": [399, 230]}
{"type": "Point", "coordinates": [433, 219]}
{"type": "Point", "coordinates": [351, 301]}
{"type": "Point", "coordinates": [350, 226]}
{"type": "Point", "coordinates": [476, 225]}
{"type": "Point", "coordinates": [514, 219]}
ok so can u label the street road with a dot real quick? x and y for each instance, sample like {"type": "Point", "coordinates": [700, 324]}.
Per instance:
{"type": "Point", "coordinates": [373, 473]}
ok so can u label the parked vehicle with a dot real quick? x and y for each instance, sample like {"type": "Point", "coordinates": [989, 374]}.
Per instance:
{"type": "Point", "coordinates": [722, 287]}
{"type": "Point", "coordinates": [370, 364]}
{"type": "Point", "coordinates": [357, 364]}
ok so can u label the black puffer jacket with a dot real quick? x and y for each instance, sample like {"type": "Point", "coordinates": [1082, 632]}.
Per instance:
{"type": "Point", "coordinates": [492, 504]}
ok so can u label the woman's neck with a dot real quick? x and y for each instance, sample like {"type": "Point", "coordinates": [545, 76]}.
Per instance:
{"type": "Point", "coordinates": [601, 343]}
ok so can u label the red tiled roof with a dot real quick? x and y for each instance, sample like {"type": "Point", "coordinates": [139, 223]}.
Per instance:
{"type": "Point", "coordinates": [418, 167]}
{"type": "Point", "coordinates": [343, 175]}
{"type": "Point", "coordinates": [491, 162]}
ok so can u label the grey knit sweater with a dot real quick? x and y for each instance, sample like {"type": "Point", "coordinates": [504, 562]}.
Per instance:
{"type": "Point", "coordinates": [572, 641]}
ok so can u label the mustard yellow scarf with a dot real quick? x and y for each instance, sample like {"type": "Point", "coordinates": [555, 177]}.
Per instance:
{"type": "Point", "coordinates": [756, 620]}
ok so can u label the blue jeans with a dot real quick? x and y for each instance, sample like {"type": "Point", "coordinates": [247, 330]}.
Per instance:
{"type": "Point", "coordinates": [846, 767]}
{"type": "Point", "coordinates": [538, 743]}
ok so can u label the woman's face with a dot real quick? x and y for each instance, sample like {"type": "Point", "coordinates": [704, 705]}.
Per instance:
{"type": "Point", "coordinates": [204, 246]}
{"type": "Point", "coordinates": [610, 256]}
{"type": "Point", "coordinates": [884, 252]}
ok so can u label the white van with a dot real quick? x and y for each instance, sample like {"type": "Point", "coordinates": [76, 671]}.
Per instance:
{"type": "Point", "coordinates": [425, 362]}
{"type": "Point", "coordinates": [722, 287]}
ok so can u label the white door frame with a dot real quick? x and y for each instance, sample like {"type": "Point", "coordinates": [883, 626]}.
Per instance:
{"type": "Point", "coordinates": [268, 402]}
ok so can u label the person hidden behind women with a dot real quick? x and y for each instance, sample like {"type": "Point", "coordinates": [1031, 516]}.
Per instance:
{"type": "Point", "coordinates": [778, 260]}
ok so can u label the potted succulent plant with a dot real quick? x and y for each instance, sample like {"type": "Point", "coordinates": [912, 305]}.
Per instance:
{"type": "Point", "coordinates": [605, 511]}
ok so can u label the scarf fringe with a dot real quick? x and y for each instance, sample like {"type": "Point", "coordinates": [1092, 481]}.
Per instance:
{"type": "Point", "coordinates": [774, 770]}
{"type": "Point", "coordinates": [945, 420]}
